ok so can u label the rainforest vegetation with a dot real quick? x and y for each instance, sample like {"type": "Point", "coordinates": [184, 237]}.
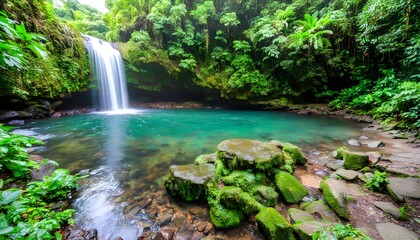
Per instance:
{"type": "Point", "coordinates": [363, 55]}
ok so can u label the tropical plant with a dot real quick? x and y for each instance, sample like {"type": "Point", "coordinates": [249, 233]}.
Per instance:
{"type": "Point", "coordinates": [377, 182]}
{"type": "Point", "coordinates": [16, 43]}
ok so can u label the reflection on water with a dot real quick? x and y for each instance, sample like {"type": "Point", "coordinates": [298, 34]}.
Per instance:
{"type": "Point", "coordinates": [129, 154]}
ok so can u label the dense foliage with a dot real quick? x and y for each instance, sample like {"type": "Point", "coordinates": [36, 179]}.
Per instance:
{"type": "Point", "coordinates": [82, 17]}
{"type": "Point", "coordinates": [58, 69]}
{"type": "Point", "coordinates": [265, 49]}
{"type": "Point", "coordinates": [30, 210]}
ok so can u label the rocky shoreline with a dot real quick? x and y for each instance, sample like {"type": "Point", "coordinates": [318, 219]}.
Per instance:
{"type": "Point", "coordinates": [397, 152]}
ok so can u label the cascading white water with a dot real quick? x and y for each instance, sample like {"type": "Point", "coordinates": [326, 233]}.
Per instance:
{"type": "Point", "coordinates": [108, 66]}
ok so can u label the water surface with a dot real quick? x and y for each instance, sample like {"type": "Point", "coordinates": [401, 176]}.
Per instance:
{"type": "Point", "coordinates": [129, 154]}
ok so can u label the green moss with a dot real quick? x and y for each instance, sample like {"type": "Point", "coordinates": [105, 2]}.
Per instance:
{"type": "Point", "coordinates": [235, 198]}
{"type": "Point", "coordinates": [221, 169]}
{"type": "Point", "coordinates": [291, 189]}
{"type": "Point", "coordinates": [289, 163]}
{"type": "Point", "coordinates": [222, 217]}
{"type": "Point", "coordinates": [189, 182]}
{"type": "Point", "coordinates": [340, 150]}
{"type": "Point", "coordinates": [274, 226]}
{"type": "Point", "coordinates": [185, 190]}
{"type": "Point", "coordinates": [294, 152]}
{"type": "Point", "coordinates": [354, 160]}
{"type": "Point", "coordinates": [243, 179]}
{"type": "Point", "coordinates": [205, 159]}
{"type": "Point", "coordinates": [265, 195]}
{"type": "Point", "coordinates": [333, 201]}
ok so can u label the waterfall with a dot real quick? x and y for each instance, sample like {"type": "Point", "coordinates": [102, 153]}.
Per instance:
{"type": "Point", "coordinates": [107, 63]}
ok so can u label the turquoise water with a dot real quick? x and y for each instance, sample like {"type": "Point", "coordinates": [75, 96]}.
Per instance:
{"type": "Point", "coordinates": [130, 154]}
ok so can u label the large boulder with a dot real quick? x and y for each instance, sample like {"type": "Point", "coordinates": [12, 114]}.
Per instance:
{"type": "Point", "coordinates": [188, 182]}
{"type": "Point", "coordinates": [335, 192]}
{"type": "Point", "coordinates": [291, 189]}
{"type": "Point", "coordinates": [242, 154]}
{"type": "Point", "coordinates": [355, 160]}
{"type": "Point", "coordinates": [273, 225]}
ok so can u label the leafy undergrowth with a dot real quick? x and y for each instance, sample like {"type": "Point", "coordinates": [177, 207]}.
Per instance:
{"type": "Point", "coordinates": [31, 209]}
{"type": "Point", "coordinates": [392, 99]}
{"type": "Point", "coordinates": [340, 231]}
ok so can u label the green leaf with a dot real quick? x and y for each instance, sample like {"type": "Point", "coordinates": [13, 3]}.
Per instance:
{"type": "Point", "coordinates": [9, 196]}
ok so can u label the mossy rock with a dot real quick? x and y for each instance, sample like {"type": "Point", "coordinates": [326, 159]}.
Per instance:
{"type": "Point", "coordinates": [220, 169]}
{"type": "Point", "coordinates": [321, 209]}
{"type": "Point", "coordinates": [297, 216]}
{"type": "Point", "coordinates": [224, 218]}
{"type": "Point", "coordinates": [235, 198]}
{"type": "Point", "coordinates": [188, 182]}
{"type": "Point", "coordinates": [244, 154]}
{"type": "Point", "coordinates": [273, 225]}
{"type": "Point", "coordinates": [306, 229]}
{"type": "Point", "coordinates": [335, 192]}
{"type": "Point", "coordinates": [243, 179]}
{"type": "Point", "coordinates": [206, 159]}
{"type": "Point", "coordinates": [355, 160]}
{"type": "Point", "coordinates": [265, 195]}
{"type": "Point", "coordinates": [291, 189]}
{"type": "Point", "coordinates": [293, 151]}
{"type": "Point", "coordinates": [338, 153]}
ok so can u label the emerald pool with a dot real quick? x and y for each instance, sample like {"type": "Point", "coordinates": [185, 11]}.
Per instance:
{"type": "Point", "coordinates": [127, 155]}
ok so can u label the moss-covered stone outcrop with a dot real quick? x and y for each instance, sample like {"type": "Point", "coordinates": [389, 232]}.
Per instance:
{"type": "Point", "coordinates": [335, 192]}
{"type": "Point", "coordinates": [188, 182]}
{"type": "Point", "coordinates": [243, 181]}
{"type": "Point", "coordinates": [242, 154]}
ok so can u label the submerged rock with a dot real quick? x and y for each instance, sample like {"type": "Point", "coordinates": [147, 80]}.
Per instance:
{"type": "Point", "coordinates": [335, 192]}
{"type": "Point", "coordinates": [355, 160]}
{"type": "Point", "coordinates": [273, 225]}
{"type": "Point", "coordinates": [291, 189]}
{"type": "Point", "coordinates": [242, 154]}
{"type": "Point", "coordinates": [188, 182]}
{"type": "Point", "coordinates": [353, 142]}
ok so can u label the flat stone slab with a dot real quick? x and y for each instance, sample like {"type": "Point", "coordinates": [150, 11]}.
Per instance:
{"type": "Point", "coordinates": [374, 157]}
{"type": "Point", "coordinates": [335, 165]}
{"type": "Point", "coordinates": [321, 209]}
{"type": "Point", "coordinates": [347, 174]}
{"type": "Point", "coordinates": [296, 216]}
{"type": "Point", "coordinates": [197, 174]}
{"type": "Point", "coordinates": [399, 188]}
{"type": "Point", "coordinates": [404, 163]}
{"type": "Point", "coordinates": [246, 153]}
{"type": "Point", "coordinates": [392, 231]}
{"type": "Point", "coordinates": [375, 144]}
{"type": "Point", "coordinates": [388, 207]}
